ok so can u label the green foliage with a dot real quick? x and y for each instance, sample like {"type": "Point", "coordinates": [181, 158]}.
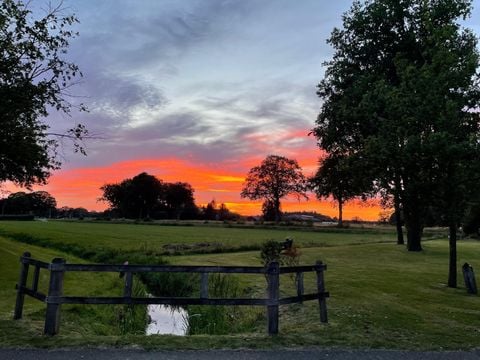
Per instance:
{"type": "Point", "coordinates": [398, 94]}
{"type": "Point", "coordinates": [34, 77]}
{"type": "Point", "coordinates": [217, 320]}
{"type": "Point", "coordinates": [132, 319]}
{"type": "Point", "coordinates": [271, 251]}
{"type": "Point", "coordinates": [471, 224]}
{"type": "Point", "coordinates": [281, 252]}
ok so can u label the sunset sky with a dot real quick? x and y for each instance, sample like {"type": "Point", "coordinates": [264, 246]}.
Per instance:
{"type": "Point", "coordinates": [197, 91]}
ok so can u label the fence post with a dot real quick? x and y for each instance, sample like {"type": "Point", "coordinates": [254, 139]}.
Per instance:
{"type": "Point", "coordinates": [273, 278]}
{"type": "Point", "coordinates": [127, 291]}
{"type": "Point", "coordinates": [36, 277]}
{"type": "Point", "coordinates": [55, 289]}
{"type": "Point", "coordinates": [204, 286]}
{"type": "Point", "coordinates": [321, 289]}
{"type": "Point", "coordinates": [22, 282]}
{"type": "Point", "coordinates": [299, 282]}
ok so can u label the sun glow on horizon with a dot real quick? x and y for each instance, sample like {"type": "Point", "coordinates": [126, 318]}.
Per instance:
{"type": "Point", "coordinates": [80, 187]}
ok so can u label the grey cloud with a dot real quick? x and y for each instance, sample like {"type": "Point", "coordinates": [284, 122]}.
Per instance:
{"type": "Point", "coordinates": [162, 128]}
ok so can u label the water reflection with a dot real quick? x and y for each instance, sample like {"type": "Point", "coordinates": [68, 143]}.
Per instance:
{"type": "Point", "coordinates": [166, 319]}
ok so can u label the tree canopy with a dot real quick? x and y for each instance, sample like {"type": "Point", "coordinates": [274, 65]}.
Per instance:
{"type": "Point", "coordinates": [145, 196]}
{"type": "Point", "coordinates": [35, 78]}
{"type": "Point", "coordinates": [275, 178]}
{"type": "Point", "coordinates": [402, 90]}
{"type": "Point", "coordinates": [38, 203]}
{"type": "Point", "coordinates": [398, 91]}
{"type": "Point", "coordinates": [334, 178]}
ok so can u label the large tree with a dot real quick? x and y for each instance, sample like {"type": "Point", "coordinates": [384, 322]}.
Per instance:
{"type": "Point", "coordinates": [135, 197]}
{"type": "Point", "coordinates": [38, 203]}
{"type": "Point", "coordinates": [179, 199]}
{"type": "Point", "coordinates": [398, 92]}
{"type": "Point", "coordinates": [34, 80]}
{"type": "Point", "coordinates": [145, 196]}
{"type": "Point", "coordinates": [275, 178]}
{"type": "Point", "coordinates": [339, 177]}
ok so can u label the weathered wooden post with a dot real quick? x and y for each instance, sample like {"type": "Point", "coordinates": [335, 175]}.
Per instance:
{"type": "Point", "coordinates": [36, 277]}
{"type": "Point", "coordinates": [127, 291]}
{"type": "Point", "coordinates": [273, 278]}
{"type": "Point", "coordinates": [204, 286]}
{"type": "Point", "coordinates": [469, 278]}
{"type": "Point", "coordinates": [299, 283]}
{"type": "Point", "coordinates": [55, 289]}
{"type": "Point", "coordinates": [321, 290]}
{"type": "Point", "coordinates": [22, 282]}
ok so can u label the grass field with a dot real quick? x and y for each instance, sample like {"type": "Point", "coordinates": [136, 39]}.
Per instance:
{"type": "Point", "coordinates": [381, 295]}
{"type": "Point", "coordinates": [77, 321]}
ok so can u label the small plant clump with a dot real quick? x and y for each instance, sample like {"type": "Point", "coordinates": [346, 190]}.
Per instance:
{"type": "Point", "coordinates": [285, 253]}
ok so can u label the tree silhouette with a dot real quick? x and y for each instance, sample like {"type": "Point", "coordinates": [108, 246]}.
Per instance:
{"type": "Point", "coordinates": [275, 178]}
{"type": "Point", "coordinates": [339, 177]}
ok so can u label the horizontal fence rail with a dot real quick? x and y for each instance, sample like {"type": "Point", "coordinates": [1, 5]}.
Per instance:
{"type": "Point", "coordinates": [58, 267]}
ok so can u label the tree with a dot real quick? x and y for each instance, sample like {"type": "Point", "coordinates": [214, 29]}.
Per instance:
{"type": "Point", "coordinates": [275, 178]}
{"type": "Point", "coordinates": [338, 177]}
{"type": "Point", "coordinates": [145, 196]}
{"type": "Point", "coordinates": [42, 203]}
{"type": "Point", "coordinates": [269, 212]}
{"type": "Point", "coordinates": [398, 92]}
{"type": "Point", "coordinates": [136, 197]}
{"type": "Point", "coordinates": [210, 211]}
{"type": "Point", "coordinates": [34, 79]}
{"type": "Point", "coordinates": [178, 199]}
{"type": "Point", "coordinates": [38, 203]}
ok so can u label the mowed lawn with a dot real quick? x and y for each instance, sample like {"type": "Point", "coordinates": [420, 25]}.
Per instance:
{"type": "Point", "coordinates": [78, 322]}
{"type": "Point", "coordinates": [156, 238]}
{"type": "Point", "coordinates": [381, 295]}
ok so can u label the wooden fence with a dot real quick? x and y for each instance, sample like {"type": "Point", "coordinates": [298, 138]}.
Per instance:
{"type": "Point", "coordinates": [58, 267]}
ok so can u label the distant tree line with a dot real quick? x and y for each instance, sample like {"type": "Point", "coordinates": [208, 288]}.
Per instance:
{"type": "Point", "coordinates": [37, 203]}
{"type": "Point", "coordinates": [41, 204]}
{"type": "Point", "coordinates": [146, 197]}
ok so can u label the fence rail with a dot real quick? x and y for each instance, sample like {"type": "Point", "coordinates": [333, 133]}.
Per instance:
{"type": "Point", "coordinates": [58, 267]}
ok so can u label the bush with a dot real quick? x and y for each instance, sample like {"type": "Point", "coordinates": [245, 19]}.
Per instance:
{"type": "Point", "coordinates": [270, 252]}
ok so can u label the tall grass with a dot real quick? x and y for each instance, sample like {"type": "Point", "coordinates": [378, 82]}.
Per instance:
{"type": "Point", "coordinates": [218, 320]}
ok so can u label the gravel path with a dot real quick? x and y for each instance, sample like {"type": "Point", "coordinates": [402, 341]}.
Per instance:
{"type": "Point", "coordinates": [306, 354]}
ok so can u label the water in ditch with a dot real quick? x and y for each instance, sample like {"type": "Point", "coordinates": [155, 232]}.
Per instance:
{"type": "Point", "coordinates": [166, 319]}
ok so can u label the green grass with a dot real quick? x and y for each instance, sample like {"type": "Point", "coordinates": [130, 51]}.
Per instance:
{"type": "Point", "coordinates": [77, 321]}
{"type": "Point", "coordinates": [381, 295]}
{"type": "Point", "coordinates": [161, 240]}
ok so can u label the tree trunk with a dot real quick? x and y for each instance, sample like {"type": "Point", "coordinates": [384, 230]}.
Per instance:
{"type": "Point", "coordinates": [452, 265]}
{"type": "Point", "coordinates": [414, 227]}
{"type": "Point", "coordinates": [277, 210]}
{"type": "Point", "coordinates": [413, 214]}
{"type": "Point", "coordinates": [398, 220]}
{"type": "Point", "coordinates": [340, 213]}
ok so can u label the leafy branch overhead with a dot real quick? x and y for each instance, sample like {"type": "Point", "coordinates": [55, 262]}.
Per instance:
{"type": "Point", "coordinates": [35, 78]}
